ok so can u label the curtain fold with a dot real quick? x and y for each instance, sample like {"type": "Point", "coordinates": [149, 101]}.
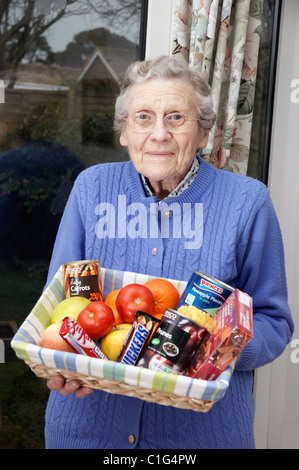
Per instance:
{"type": "Point", "coordinates": [221, 38]}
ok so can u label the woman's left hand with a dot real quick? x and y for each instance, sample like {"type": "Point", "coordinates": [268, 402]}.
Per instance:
{"type": "Point", "coordinates": [59, 384]}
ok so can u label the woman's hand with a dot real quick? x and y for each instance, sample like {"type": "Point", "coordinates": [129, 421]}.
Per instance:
{"type": "Point", "coordinates": [59, 384]}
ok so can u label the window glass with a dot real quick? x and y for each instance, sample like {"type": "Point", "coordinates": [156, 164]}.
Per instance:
{"type": "Point", "coordinates": [263, 105]}
{"type": "Point", "coordinates": [61, 63]}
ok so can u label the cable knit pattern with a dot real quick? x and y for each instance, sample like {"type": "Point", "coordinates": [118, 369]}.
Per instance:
{"type": "Point", "coordinates": [241, 245]}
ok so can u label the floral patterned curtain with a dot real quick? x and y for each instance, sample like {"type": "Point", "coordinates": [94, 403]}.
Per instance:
{"type": "Point", "coordinates": [221, 38]}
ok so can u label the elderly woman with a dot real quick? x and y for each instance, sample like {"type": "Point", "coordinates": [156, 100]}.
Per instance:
{"type": "Point", "coordinates": [164, 113]}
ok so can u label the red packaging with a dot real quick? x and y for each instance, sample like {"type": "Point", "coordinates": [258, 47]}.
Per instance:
{"type": "Point", "coordinates": [75, 336]}
{"type": "Point", "coordinates": [232, 331]}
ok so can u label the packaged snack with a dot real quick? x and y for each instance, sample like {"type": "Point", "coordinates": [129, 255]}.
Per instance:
{"type": "Point", "coordinates": [140, 332]}
{"type": "Point", "coordinates": [232, 331]}
{"type": "Point", "coordinates": [75, 336]}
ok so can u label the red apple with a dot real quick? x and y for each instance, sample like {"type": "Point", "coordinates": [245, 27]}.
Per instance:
{"type": "Point", "coordinates": [51, 339]}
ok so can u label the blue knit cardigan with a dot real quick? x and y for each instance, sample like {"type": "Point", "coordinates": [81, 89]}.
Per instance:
{"type": "Point", "coordinates": [223, 225]}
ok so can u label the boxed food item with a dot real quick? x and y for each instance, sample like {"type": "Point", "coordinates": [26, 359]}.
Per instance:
{"type": "Point", "coordinates": [233, 329]}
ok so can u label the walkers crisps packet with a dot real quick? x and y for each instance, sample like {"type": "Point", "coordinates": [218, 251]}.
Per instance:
{"type": "Point", "coordinates": [232, 331]}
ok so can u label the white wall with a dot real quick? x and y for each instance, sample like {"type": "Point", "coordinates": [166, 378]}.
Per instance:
{"type": "Point", "coordinates": [277, 386]}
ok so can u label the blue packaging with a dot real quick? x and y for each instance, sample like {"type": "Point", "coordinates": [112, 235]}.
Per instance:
{"type": "Point", "coordinates": [205, 292]}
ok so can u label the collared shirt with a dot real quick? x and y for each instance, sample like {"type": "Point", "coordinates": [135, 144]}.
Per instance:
{"type": "Point", "coordinates": [182, 186]}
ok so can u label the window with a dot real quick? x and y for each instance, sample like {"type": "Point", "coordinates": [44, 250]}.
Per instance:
{"type": "Point", "coordinates": [62, 67]}
{"type": "Point", "coordinates": [263, 105]}
{"type": "Point", "coordinates": [62, 63]}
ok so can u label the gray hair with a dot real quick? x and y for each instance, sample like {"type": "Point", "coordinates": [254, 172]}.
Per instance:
{"type": "Point", "coordinates": [169, 69]}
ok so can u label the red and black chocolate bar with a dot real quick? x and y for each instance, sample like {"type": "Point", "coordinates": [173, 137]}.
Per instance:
{"type": "Point", "coordinates": [75, 336]}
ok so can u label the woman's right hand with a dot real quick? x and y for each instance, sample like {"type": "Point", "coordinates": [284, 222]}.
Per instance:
{"type": "Point", "coordinates": [59, 384]}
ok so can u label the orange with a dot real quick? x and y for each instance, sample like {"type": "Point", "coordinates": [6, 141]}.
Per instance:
{"type": "Point", "coordinates": [117, 318]}
{"type": "Point", "coordinates": [165, 293]}
{"type": "Point", "coordinates": [110, 300]}
{"type": "Point", "coordinates": [111, 297]}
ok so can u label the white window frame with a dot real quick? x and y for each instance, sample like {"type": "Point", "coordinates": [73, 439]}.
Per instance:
{"type": "Point", "coordinates": [158, 28]}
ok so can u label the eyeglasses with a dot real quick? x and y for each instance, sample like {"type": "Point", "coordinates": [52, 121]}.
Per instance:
{"type": "Point", "coordinates": [145, 122]}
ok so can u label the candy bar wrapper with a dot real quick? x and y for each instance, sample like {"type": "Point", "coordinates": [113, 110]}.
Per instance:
{"type": "Point", "coordinates": [142, 329]}
{"type": "Point", "coordinates": [75, 336]}
{"type": "Point", "coordinates": [232, 331]}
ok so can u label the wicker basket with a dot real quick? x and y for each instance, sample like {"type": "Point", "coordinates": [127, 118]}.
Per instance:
{"type": "Point", "coordinates": [113, 386]}
{"type": "Point", "coordinates": [112, 377]}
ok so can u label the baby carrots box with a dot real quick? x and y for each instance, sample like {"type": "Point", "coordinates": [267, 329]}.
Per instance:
{"type": "Point", "coordinates": [233, 329]}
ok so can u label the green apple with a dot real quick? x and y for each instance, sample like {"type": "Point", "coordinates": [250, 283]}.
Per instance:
{"type": "Point", "coordinates": [70, 307]}
{"type": "Point", "coordinates": [112, 343]}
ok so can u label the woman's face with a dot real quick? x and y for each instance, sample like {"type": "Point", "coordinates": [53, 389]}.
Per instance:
{"type": "Point", "coordinates": [164, 157]}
